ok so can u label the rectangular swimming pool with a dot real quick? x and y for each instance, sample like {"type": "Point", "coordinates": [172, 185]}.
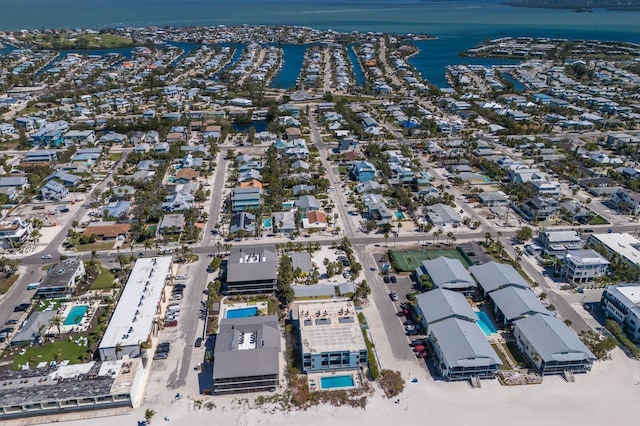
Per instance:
{"type": "Point", "coordinates": [399, 215]}
{"type": "Point", "coordinates": [336, 382]}
{"type": "Point", "coordinates": [484, 322]}
{"type": "Point", "coordinates": [75, 315]}
{"type": "Point", "coordinates": [242, 312]}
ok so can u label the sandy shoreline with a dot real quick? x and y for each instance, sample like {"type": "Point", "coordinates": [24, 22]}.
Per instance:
{"type": "Point", "coordinates": [588, 401]}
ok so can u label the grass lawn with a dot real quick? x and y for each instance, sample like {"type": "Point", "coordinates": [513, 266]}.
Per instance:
{"type": "Point", "coordinates": [54, 305]}
{"type": "Point", "coordinates": [97, 246]}
{"type": "Point", "coordinates": [410, 260]}
{"type": "Point", "coordinates": [505, 363]}
{"type": "Point", "coordinates": [342, 170]}
{"type": "Point", "coordinates": [598, 220]}
{"type": "Point", "coordinates": [7, 281]}
{"type": "Point", "coordinates": [512, 350]}
{"type": "Point", "coordinates": [66, 349]}
{"type": "Point", "coordinates": [115, 156]}
{"type": "Point", "coordinates": [103, 281]}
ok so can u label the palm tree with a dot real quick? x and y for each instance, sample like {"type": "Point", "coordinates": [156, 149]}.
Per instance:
{"type": "Point", "coordinates": [487, 238]}
{"type": "Point", "coordinates": [450, 237]}
{"type": "Point", "coordinates": [148, 415]}
{"type": "Point", "coordinates": [35, 237]}
{"type": "Point", "coordinates": [147, 245]}
{"type": "Point", "coordinates": [118, 349]}
{"type": "Point", "coordinates": [56, 322]}
{"type": "Point", "coordinates": [122, 259]}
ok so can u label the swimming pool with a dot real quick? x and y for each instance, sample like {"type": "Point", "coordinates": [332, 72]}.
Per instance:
{"type": "Point", "coordinates": [75, 315]}
{"type": "Point", "coordinates": [242, 312]}
{"type": "Point", "coordinates": [484, 322]}
{"type": "Point", "coordinates": [399, 215]}
{"type": "Point", "coordinates": [336, 382]}
{"type": "Point", "coordinates": [267, 222]}
{"type": "Point", "coordinates": [288, 204]}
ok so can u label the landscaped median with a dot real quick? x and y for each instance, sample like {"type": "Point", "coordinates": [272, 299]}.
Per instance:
{"type": "Point", "coordinates": [374, 370]}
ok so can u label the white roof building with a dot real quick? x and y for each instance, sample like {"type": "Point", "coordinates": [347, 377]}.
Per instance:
{"type": "Point", "coordinates": [134, 319]}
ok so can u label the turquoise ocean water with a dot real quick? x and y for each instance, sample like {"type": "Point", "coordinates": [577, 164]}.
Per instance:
{"type": "Point", "coordinates": [458, 25]}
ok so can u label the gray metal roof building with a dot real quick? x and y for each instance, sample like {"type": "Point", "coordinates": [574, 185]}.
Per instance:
{"type": "Point", "coordinates": [511, 303]}
{"type": "Point", "coordinates": [247, 354]}
{"type": "Point", "coordinates": [301, 260]}
{"type": "Point", "coordinates": [551, 346]}
{"type": "Point", "coordinates": [462, 350]}
{"type": "Point", "coordinates": [252, 270]}
{"type": "Point", "coordinates": [439, 304]}
{"type": "Point", "coordinates": [448, 273]}
{"type": "Point", "coordinates": [493, 276]}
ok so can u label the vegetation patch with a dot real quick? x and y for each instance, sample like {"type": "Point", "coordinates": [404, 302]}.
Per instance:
{"type": "Point", "coordinates": [74, 350]}
{"type": "Point", "coordinates": [408, 261]}
{"type": "Point", "coordinates": [104, 280]}
{"type": "Point", "coordinates": [391, 383]}
{"type": "Point", "coordinates": [7, 281]}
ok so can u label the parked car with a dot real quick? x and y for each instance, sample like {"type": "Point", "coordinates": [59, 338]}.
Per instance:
{"type": "Point", "coordinates": [47, 256]}
{"type": "Point", "coordinates": [160, 355]}
{"type": "Point", "coordinates": [22, 307]}
{"type": "Point", "coordinates": [394, 296]}
{"type": "Point", "coordinates": [416, 342]}
{"type": "Point", "coordinates": [408, 322]}
{"type": "Point", "coordinates": [410, 327]}
{"type": "Point", "coordinates": [11, 322]}
{"type": "Point", "coordinates": [182, 277]}
{"type": "Point", "coordinates": [171, 323]}
{"type": "Point", "coordinates": [422, 354]}
{"type": "Point", "coordinates": [386, 279]}
{"type": "Point", "coordinates": [393, 279]}
{"type": "Point", "coordinates": [164, 345]}
{"type": "Point", "coordinates": [418, 348]}
{"type": "Point", "coordinates": [412, 332]}
{"type": "Point", "coordinates": [198, 342]}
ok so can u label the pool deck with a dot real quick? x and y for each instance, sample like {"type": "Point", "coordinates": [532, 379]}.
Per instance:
{"type": "Point", "coordinates": [229, 306]}
{"type": "Point", "coordinates": [315, 384]}
{"type": "Point", "coordinates": [65, 309]}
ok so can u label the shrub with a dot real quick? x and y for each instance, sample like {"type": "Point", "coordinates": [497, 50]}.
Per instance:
{"type": "Point", "coordinates": [391, 382]}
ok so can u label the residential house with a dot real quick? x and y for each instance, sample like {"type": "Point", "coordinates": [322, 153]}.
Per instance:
{"type": "Point", "coordinates": [61, 280]}
{"type": "Point", "coordinates": [550, 346]}
{"type": "Point", "coordinates": [441, 304]}
{"type": "Point", "coordinates": [314, 220]}
{"type": "Point", "coordinates": [626, 201]}
{"type": "Point", "coordinates": [307, 203]}
{"type": "Point", "coordinates": [442, 215]}
{"type": "Point", "coordinates": [111, 138]}
{"type": "Point", "coordinates": [171, 224]}
{"type": "Point", "coordinates": [582, 266]}
{"type": "Point", "coordinates": [447, 273]}
{"type": "Point", "coordinates": [330, 336]}
{"type": "Point", "coordinates": [242, 223]}
{"type": "Point", "coordinates": [245, 198]}
{"type": "Point", "coordinates": [559, 242]}
{"type": "Point", "coordinates": [493, 198]}
{"type": "Point", "coordinates": [79, 137]}
{"type": "Point", "coordinates": [622, 303]}
{"type": "Point", "coordinates": [621, 245]}
{"type": "Point", "coordinates": [19, 182]}
{"type": "Point", "coordinates": [462, 351]}
{"type": "Point", "coordinates": [247, 354]}
{"type": "Point", "coordinates": [186, 175]}
{"type": "Point", "coordinates": [284, 222]}
{"type": "Point", "coordinates": [512, 303]}
{"type": "Point", "coordinates": [107, 231]}
{"type": "Point", "coordinates": [493, 276]}
{"type": "Point", "coordinates": [252, 270]}
{"type": "Point", "coordinates": [39, 156]}
{"type": "Point", "coordinates": [53, 190]}
{"type": "Point", "coordinates": [14, 231]}
{"type": "Point", "coordinates": [368, 187]}
{"type": "Point", "coordinates": [540, 209]}
{"type": "Point", "coordinates": [363, 171]}
{"type": "Point", "coordinates": [116, 209]}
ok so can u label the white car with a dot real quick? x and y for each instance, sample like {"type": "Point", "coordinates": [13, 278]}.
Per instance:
{"type": "Point", "coordinates": [47, 256]}
{"type": "Point", "coordinates": [181, 277]}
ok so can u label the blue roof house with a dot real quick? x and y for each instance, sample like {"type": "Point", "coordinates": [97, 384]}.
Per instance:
{"type": "Point", "coordinates": [363, 171]}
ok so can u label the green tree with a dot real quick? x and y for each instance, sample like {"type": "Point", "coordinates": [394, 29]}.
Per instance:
{"type": "Point", "coordinates": [148, 415]}
{"type": "Point", "coordinates": [524, 234]}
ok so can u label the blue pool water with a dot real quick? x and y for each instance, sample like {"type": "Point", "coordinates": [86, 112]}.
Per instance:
{"type": "Point", "coordinates": [485, 323]}
{"type": "Point", "coordinates": [287, 204]}
{"type": "Point", "coordinates": [267, 222]}
{"type": "Point", "coordinates": [242, 312]}
{"type": "Point", "coordinates": [336, 382]}
{"type": "Point", "coordinates": [399, 215]}
{"type": "Point", "coordinates": [76, 314]}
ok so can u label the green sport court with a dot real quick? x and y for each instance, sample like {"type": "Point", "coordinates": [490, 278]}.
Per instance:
{"type": "Point", "coordinates": [408, 261]}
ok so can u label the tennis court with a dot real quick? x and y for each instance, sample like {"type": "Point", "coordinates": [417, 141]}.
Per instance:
{"type": "Point", "coordinates": [408, 261]}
